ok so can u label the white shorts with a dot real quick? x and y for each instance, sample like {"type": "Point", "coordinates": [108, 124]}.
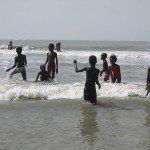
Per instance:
{"type": "Point", "coordinates": [18, 70]}
{"type": "Point", "coordinates": [21, 70]}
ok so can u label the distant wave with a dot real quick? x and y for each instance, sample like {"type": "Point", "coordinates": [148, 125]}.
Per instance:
{"type": "Point", "coordinates": [83, 54]}
{"type": "Point", "coordinates": [5, 47]}
{"type": "Point", "coordinates": [15, 91]}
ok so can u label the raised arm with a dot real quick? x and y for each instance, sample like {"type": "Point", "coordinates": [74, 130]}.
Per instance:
{"type": "Point", "coordinates": [76, 67]}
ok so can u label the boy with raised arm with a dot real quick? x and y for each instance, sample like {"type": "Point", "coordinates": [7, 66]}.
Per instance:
{"type": "Point", "coordinates": [52, 67]}
{"type": "Point", "coordinates": [20, 63]}
{"type": "Point", "coordinates": [92, 74]}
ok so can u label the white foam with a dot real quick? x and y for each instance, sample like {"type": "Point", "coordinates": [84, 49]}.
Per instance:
{"type": "Point", "coordinates": [3, 46]}
{"type": "Point", "coordinates": [122, 90]}
{"type": "Point", "coordinates": [11, 91]}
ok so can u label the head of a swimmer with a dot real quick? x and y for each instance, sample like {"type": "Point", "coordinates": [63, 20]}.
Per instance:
{"type": "Point", "coordinates": [103, 56]}
{"type": "Point", "coordinates": [42, 67]}
{"type": "Point", "coordinates": [51, 47]}
{"type": "Point", "coordinates": [113, 59]}
{"type": "Point", "coordinates": [92, 60]}
{"type": "Point", "coordinates": [19, 50]}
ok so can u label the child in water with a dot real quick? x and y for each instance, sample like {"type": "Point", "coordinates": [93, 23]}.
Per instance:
{"type": "Point", "coordinates": [92, 74]}
{"type": "Point", "coordinates": [44, 75]}
{"type": "Point", "coordinates": [52, 67]}
{"type": "Point", "coordinates": [20, 63]}
{"type": "Point", "coordinates": [105, 67]}
{"type": "Point", "coordinates": [148, 81]}
{"type": "Point", "coordinates": [10, 46]}
{"type": "Point", "coordinates": [114, 70]}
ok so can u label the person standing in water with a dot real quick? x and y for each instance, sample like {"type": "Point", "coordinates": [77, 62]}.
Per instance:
{"type": "Point", "coordinates": [20, 63]}
{"type": "Point", "coordinates": [92, 74]}
{"type": "Point", "coordinates": [114, 70]}
{"type": "Point", "coordinates": [58, 47]}
{"type": "Point", "coordinates": [148, 81]}
{"type": "Point", "coordinates": [52, 67]}
{"type": "Point", "coordinates": [105, 67]}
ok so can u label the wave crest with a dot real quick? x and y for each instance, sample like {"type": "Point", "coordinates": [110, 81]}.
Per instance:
{"type": "Point", "coordinates": [11, 91]}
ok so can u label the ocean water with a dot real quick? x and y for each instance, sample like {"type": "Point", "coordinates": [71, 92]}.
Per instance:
{"type": "Point", "coordinates": [53, 115]}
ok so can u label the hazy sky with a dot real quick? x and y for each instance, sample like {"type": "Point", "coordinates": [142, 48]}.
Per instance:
{"type": "Point", "coordinates": [121, 20]}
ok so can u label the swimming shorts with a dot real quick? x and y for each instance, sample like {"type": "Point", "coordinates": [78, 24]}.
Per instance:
{"type": "Point", "coordinates": [90, 93]}
{"type": "Point", "coordinates": [107, 75]}
{"type": "Point", "coordinates": [21, 70]}
{"type": "Point", "coordinates": [50, 67]}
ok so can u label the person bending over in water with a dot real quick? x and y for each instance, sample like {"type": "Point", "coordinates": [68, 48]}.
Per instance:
{"type": "Point", "coordinates": [148, 81]}
{"type": "Point", "coordinates": [51, 57]}
{"type": "Point", "coordinates": [10, 46]}
{"type": "Point", "coordinates": [92, 74]}
{"type": "Point", "coordinates": [20, 62]}
{"type": "Point", "coordinates": [105, 67]}
{"type": "Point", "coordinates": [58, 47]}
{"type": "Point", "coordinates": [114, 70]}
{"type": "Point", "coordinates": [44, 75]}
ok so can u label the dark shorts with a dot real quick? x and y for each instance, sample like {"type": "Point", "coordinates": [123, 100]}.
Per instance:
{"type": "Point", "coordinates": [90, 93]}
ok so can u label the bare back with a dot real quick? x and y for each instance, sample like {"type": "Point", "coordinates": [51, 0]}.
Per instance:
{"type": "Point", "coordinates": [91, 75]}
{"type": "Point", "coordinates": [51, 57]}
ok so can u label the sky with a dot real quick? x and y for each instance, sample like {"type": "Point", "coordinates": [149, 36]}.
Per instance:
{"type": "Point", "coordinates": [105, 20]}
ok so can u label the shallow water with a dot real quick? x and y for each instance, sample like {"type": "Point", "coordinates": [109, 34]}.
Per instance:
{"type": "Point", "coordinates": [72, 124]}
{"type": "Point", "coordinates": [53, 115]}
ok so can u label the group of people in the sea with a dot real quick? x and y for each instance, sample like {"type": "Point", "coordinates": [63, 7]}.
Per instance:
{"type": "Point", "coordinates": [92, 74]}
{"type": "Point", "coordinates": [11, 46]}
{"type": "Point", "coordinates": [45, 75]}
{"type": "Point", "coordinates": [111, 72]}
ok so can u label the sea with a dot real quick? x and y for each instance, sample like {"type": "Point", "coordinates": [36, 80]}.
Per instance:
{"type": "Point", "coordinates": [54, 116]}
